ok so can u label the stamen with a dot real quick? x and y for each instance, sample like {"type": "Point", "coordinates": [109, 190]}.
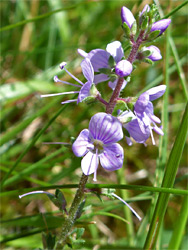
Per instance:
{"type": "Point", "coordinates": [69, 101]}
{"type": "Point", "coordinates": [74, 77]}
{"type": "Point", "coordinates": [134, 212]}
{"type": "Point", "coordinates": [96, 163]}
{"type": "Point", "coordinates": [63, 93]}
{"type": "Point", "coordinates": [34, 192]}
{"type": "Point", "coordinates": [62, 65]}
{"type": "Point", "coordinates": [56, 79]}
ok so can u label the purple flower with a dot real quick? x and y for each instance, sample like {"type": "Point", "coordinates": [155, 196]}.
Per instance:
{"type": "Point", "coordinates": [84, 91]}
{"type": "Point", "coordinates": [161, 25]}
{"type": "Point", "coordinates": [127, 16]}
{"type": "Point", "coordinates": [98, 143]}
{"type": "Point", "coordinates": [100, 60]}
{"type": "Point", "coordinates": [156, 54]}
{"type": "Point", "coordinates": [143, 119]}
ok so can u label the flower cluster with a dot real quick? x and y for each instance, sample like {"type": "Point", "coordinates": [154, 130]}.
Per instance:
{"type": "Point", "coordinates": [98, 144]}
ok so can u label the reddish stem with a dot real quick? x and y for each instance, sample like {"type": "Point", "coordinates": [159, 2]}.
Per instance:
{"type": "Point", "coordinates": [131, 58]}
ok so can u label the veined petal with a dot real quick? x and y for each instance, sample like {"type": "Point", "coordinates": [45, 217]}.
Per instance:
{"type": "Point", "coordinates": [89, 163]}
{"type": "Point", "coordinates": [87, 70]}
{"type": "Point", "coordinates": [112, 157]}
{"type": "Point", "coordinates": [140, 136]}
{"type": "Point", "coordinates": [84, 92]}
{"type": "Point", "coordinates": [106, 128]}
{"type": "Point", "coordinates": [79, 147]}
{"type": "Point", "coordinates": [99, 59]}
{"type": "Point", "coordinates": [100, 78]}
{"type": "Point", "coordinates": [156, 92]}
{"type": "Point", "coordinates": [115, 49]}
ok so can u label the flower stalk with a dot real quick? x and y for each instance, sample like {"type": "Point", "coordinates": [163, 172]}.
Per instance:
{"type": "Point", "coordinates": [131, 58]}
{"type": "Point", "coordinates": [70, 220]}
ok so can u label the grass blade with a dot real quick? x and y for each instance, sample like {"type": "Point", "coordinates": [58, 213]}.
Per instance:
{"type": "Point", "coordinates": [168, 182]}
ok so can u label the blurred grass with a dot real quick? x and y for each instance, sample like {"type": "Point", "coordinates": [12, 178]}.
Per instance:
{"type": "Point", "coordinates": [36, 36]}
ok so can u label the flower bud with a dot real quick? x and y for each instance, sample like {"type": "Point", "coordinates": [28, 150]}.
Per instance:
{"type": "Point", "coordinates": [161, 25]}
{"type": "Point", "coordinates": [123, 68]}
{"type": "Point", "coordinates": [155, 53]}
{"type": "Point", "coordinates": [127, 16]}
{"type": "Point", "coordinates": [145, 9]}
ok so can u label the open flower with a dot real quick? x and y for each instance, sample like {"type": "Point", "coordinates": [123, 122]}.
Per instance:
{"type": "Point", "coordinates": [100, 60]}
{"type": "Point", "coordinates": [143, 119]}
{"type": "Point", "coordinates": [98, 143]}
{"type": "Point", "coordinates": [84, 91]}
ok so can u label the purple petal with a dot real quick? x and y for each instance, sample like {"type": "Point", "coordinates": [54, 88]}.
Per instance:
{"type": "Point", "coordinates": [161, 25]}
{"type": "Point", "coordinates": [115, 49]}
{"type": "Point", "coordinates": [113, 84]}
{"type": "Point", "coordinates": [123, 68]}
{"type": "Point", "coordinates": [156, 92]}
{"type": "Point", "coordinates": [156, 54]}
{"type": "Point", "coordinates": [112, 157]}
{"type": "Point", "coordinates": [106, 128]}
{"type": "Point", "coordinates": [136, 133]}
{"type": "Point", "coordinates": [99, 59]}
{"type": "Point", "coordinates": [127, 16]}
{"type": "Point", "coordinates": [79, 147]}
{"type": "Point", "coordinates": [100, 78]}
{"type": "Point", "coordinates": [89, 163]}
{"type": "Point", "coordinates": [141, 103]}
{"type": "Point", "coordinates": [128, 140]}
{"type": "Point", "coordinates": [87, 70]}
{"type": "Point", "coordinates": [84, 92]}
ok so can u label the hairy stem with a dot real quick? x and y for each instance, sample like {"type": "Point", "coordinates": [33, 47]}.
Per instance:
{"type": "Point", "coordinates": [70, 220]}
{"type": "Point", "coordinates": [131, 58]}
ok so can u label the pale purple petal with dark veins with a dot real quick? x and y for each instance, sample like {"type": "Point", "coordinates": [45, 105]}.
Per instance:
{"type": "Point", "coordinates": [112, 157]}
{"type": "Point", "coordinates": [89, 163]}
{"type": "Point", "coordinates": [99, 59]}
{"type": "Point", "coordinates": [100, 78]}
{"type": "Point", "coordinates": [156, 92]}
{"type": "Point", "coordinates": [84, 92]}
{"type": "Point", "coordinates": [87, 70]}
{"type": "Point", "coordinates": [136, 133]}
{"type": "Point", "coordinates": [79, 147]}
{"type": "Point", "coordinates": [106, 128]}
{"type": "Point", "coordinates": [115, 49]}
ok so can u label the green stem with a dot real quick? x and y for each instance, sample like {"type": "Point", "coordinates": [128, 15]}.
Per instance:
{"type": "Point", "coordinates": [179, 226]}
{"type": "Point", "coordinates": [69, 222]}
{"type": "Point", "coordinates": [127, 211]}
